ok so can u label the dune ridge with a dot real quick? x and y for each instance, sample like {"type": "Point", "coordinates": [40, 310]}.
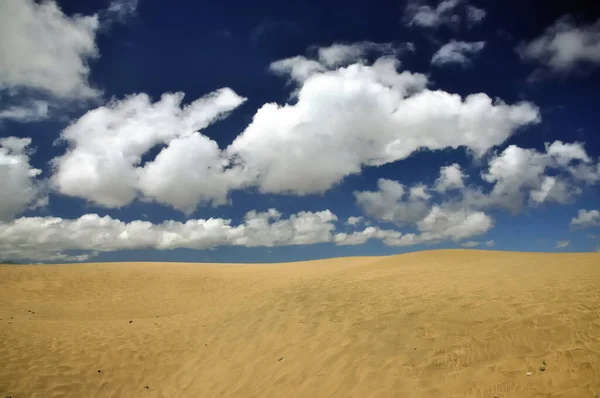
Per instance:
{"type": "Point", "coordinates": [444, 323]}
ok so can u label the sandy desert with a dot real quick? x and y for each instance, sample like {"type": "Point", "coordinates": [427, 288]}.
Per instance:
{"type": "Point", "coordinates": [447, 323]}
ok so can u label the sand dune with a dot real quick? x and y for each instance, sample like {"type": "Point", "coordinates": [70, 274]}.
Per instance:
{"type": "Point", "coordinates": [452, 323]}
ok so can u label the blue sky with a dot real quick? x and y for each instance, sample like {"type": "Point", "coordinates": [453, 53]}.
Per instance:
{"type": "Point", "coordinates": [283, 131]}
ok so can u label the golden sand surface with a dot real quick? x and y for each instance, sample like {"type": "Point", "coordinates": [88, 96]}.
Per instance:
{"type": "Point", "coordinates": [447, 323]}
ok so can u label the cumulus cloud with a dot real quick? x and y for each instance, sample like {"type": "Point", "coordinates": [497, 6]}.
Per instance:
{"type": "Point", "coordinates": [451, 177]}
{"type": "Point", "coordinates": [456, 52]}
{"type": "Point", "coordinates": [470, 243]}
{"type": "Point", "coordinates": [564, 46]}
{"type": "Point", "coordinates": [392, 203]}
{"type": "Point", "coordinates": [106, 145]}
{"type": "Point", "coordinates": [490, 243]}
{"type": "Point", "coordinates": [361, 115]}
{"type": "Point", "coordinates": [586, 218]}
{"type": "Point", "coordinates": [521, 175]}
{"type": "Point", "coordinates": [452, 210]}
{"type": "Point", "coordinates": [364, 115]}
{"type": "Point", "coordinates": [20, 187]}
{"type": "Point", "coordinates": [43, 49]}
{"type": "Point", "coordinates": [438, 225]}
{"type": "Point", "coordinates": [446, 13]}
{"type": "Point", "coordinates": [561, 244]}
{"type": "Point", "coordinates": [57, 239]}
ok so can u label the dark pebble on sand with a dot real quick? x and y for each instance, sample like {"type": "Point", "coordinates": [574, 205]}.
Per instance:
{"type": "Point", "coordinates": [542, 368]}
{"type": "Point", "coordinates": [147, 387]}
{"type": "Point", "coordinates": [130, 321]}
{"type": "Point", "coordinates": [280, 359]}
{"type": "Point", "coordinates": [99, 370]}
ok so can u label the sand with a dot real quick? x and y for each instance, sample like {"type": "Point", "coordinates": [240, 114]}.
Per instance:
{"type": "Point", "coordinates": [449, 323]}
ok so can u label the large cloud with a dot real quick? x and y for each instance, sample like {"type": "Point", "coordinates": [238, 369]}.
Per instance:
{"type": "Point", "coordinates": [564, 46]}
{"type": "Point", "coordinates": [20, 189]}
{"type": "Point", "coordinates": [106, 145]}
{"type": "Point", "coordinates": [363, 115]}
{"type": "Point", "coordinates": [57, 239]}
{"type": "Point", "coordinates": [343, 119]}
{"type": "Point", "coordinates": [43, 49]}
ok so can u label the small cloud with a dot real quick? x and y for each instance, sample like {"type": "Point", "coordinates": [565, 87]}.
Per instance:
{"type": "Point", "coordinates": [354, 220]}
{"type": "Point", "coordinates": [586, 219]}
{"type": "Point", "coordinates": [490, 243]}
{"type": "Point", "coordinates": [563, 48]}
{"type": "Point", "coordinates": [562, 244]}
{"type": "Point", "coordinates": [471, 243]}
{"type": "Point", "coordinates": [447, 13]}
{"type": "Point", "coordinates": [31, 111]}
{"type": "Point", "coordinates": [457, 52]}
{"type": "Point", "coordinates": [123, 9]}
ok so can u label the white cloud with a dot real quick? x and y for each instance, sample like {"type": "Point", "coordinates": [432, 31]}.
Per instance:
{"type": "Point", "coordinates": [123, 9]}
{"type": "Point", "coordinates": [361, 115]}
{"type": "Point", "coordinates": [391, 203]}
{"type": "Point", "coordinates": [43, 49]}
{"type": "Point", "coordinates": [490, 243]}
{"type": "Point", "coordinates": [365, 116]}
{"type": "Point", "coordinates": [586, 218]}
{"type": "Point", "coordinates": [564, 46]}
{"type": "Point", "coordinates": [520, 175]}
{"type": "Point", "coordinates": [443, 223]}
{"type": "Point", "coordinates": [447, 13]}
{"type": "Point", "coordinates": [455, 211]}
{"type": "Point", "coordinates": [28, 112]}
{"type": "Point", "coordinates": [106, 146]}
{"type": "Point", "coordinates": [57, 239]}
{"type": "Point", "coordinates": [451, 177]}
{"type": "Point", "coordinates": [299, 68]}
{"type": "Point", "coordinates": [562, 244]}
{"type": "Point", "coordinates": [361, 237]}
{"type": "Point", "coordinates": [438, 225]}
{"type": "Point", "coordinates": [475, 15]}
{"type": "Point", "coordinates": [340, 54]}
{"type": "Point", "coordinates": [470, 243]}
{"type": "Point", "coordinates": [20, 188]}
{"type": "Point", "coordinates": [353, 221]}
{"type": "Point", "coordinates": [456, 52]}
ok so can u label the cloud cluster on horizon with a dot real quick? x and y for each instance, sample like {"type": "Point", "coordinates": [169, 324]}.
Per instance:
{"type": "Point", "coordinates": [363, 113]}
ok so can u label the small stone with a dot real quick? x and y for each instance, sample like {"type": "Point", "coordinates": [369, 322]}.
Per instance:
{"type": "Point", "coordinates": [529, 373]}
{"type": "Point", "coordinates": [130, 321]}
{"type": "Point", "coordinates": [280, 359]}
{"type": "Point", "coordinates": [99, 370]}
{"type": "Point", "coordinates": [542, 368]}
{"type": "Point", "coordinates": [147, 387]}
{"type": "Point", "coordinates": [544, 363]}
